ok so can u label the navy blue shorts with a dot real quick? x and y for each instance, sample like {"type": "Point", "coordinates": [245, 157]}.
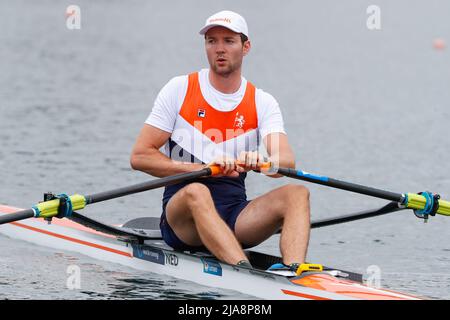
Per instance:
{"type": "Point", "coordinates": [228, 212]}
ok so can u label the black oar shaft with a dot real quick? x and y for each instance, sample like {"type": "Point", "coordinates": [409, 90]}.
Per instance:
{"type": "Point", "coordinates": [19, 215]}
{"type": "Point", "coordinates": [145, 186]}
{"type": "Point", "coordinates": [390, 207]}
{"type": "Point", "coordinates": [330, 182]}
{"type": "Point", "coordinates": [116, 193]}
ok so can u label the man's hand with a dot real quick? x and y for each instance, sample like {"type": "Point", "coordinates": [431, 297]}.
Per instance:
{"type": "Point", "coordinates": [228, 166]}
{"type": "Point", "coordinates": [249, 160]}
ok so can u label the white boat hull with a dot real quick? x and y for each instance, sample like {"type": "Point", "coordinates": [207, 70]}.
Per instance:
{"type": "Point", "coordinates": [154, 256]}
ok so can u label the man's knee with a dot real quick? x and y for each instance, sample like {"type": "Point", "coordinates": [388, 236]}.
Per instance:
{"type": "Point", "coordinates": [196, 194]}
{"type": "Point", "coordinates": [296, 192]}
{"type": "Point", "coordinates": [295, 196]}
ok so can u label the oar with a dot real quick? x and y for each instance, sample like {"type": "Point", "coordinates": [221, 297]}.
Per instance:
{"type": "Point", "coordinates": [51, 208]}
{"type": "Point", "coordinates": [423, 204]}
{"type": "Point", "coordinates": [389, 208]}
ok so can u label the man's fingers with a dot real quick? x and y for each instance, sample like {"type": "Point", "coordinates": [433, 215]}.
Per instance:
{"type": "Point", "coordinates": [227, 165]}
{"type": "Point", "coordinates": [220, 161]}
{"type": "Point", "coordinates": [233, 167]}
{"type": "Point", "coordinates": [251, 160]}
{"type": "Point", "coordinates": [234, 174]}
{"type": "Point", "coordinates": [242, 157]}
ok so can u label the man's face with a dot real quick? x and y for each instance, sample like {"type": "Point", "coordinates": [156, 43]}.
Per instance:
{"type": "Point", "coordinates": [225, 50]}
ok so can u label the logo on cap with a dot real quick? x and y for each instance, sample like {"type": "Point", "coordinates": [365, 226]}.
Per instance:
{"type": "Point", "coordinates": [220, 19]}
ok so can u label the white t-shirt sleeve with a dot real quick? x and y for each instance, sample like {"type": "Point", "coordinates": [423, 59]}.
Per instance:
{"type": "Point", "coordinates": [270, 119]}
{"type": "Point", "coordinates": [168, 103]}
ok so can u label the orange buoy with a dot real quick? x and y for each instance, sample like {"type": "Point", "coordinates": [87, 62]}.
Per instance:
{"type": "Point", "coordinates": [439, 44]}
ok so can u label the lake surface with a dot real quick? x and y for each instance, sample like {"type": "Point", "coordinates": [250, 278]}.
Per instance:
{"type": "Point", "coordinates": [366, 106]}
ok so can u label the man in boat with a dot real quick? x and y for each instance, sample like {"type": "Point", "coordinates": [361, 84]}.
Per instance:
{"type": "Point", "coordinates": [216, 116]}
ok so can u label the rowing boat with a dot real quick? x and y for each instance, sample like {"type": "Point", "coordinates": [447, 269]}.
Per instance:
{"type": "Point", "coordinates": [137, 244]}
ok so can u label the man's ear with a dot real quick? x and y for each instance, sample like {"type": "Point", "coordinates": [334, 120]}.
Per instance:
{"type": "Point", "coordinates": [247, 46]}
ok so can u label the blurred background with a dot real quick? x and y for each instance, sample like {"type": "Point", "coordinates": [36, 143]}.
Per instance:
{"type": "Point", "coordinates": [362, 105]}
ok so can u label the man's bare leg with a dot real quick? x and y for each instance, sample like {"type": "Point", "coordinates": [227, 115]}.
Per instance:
{"type": "Point", "coordinates": [286, 207]}
{"type": "Point", "coordinates": [193, 217]}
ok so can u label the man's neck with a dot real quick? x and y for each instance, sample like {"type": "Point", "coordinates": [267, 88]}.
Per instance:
{"type": "Point", "coordinates": [226, 84]}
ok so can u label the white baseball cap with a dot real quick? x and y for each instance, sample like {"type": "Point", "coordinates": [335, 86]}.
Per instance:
{"type": "Point", "coordinates": [227, 19]}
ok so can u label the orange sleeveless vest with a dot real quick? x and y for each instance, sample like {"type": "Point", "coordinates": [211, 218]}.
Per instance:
{"type": "Point", "coordinates": [218, 126]}
{"type": "Point", "coordinates": [205, 132]}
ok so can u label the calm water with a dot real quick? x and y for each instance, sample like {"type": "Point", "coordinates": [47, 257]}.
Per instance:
{"type": "Point", "coordinates": [364, 106]}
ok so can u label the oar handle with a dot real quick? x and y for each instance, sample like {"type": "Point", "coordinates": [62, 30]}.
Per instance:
{"type": "Point", "coordinates": [261, 166]}
{"type": "Point", "coordinates": [266, 165]}
{"type": "Point", "coordinates": [215, 169]}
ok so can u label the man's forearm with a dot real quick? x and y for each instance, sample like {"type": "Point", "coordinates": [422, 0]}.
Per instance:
{"type": "Point", "coordinates": [286, 161]}
{"type": "Point", "coordinates": [159, 165]}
